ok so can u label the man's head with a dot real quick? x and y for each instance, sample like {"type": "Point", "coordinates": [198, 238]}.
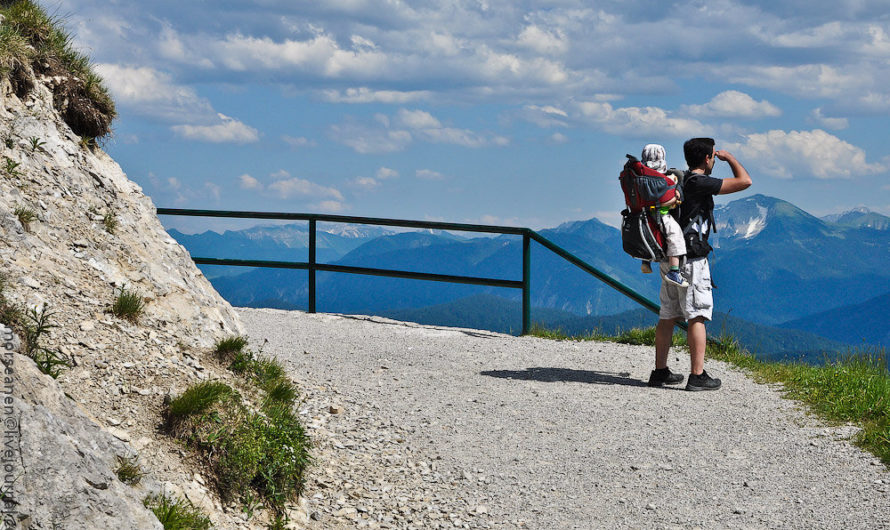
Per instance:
{"type": "Point", "coordinates": [699, 153]}
{"type": "Point", "coordinates": [653, 157]}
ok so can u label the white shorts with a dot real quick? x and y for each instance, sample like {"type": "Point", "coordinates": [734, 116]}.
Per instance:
{"type": "Point", "coordinates": [673, 234]}
{"type": "Point", "coordinates": [689, 302]}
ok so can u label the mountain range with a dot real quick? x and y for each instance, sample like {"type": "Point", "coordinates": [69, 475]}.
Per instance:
{"type": "Point", "coordinates": [777, 269]}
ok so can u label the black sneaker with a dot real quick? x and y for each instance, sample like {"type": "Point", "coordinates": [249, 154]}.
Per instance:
{"type": "Point", "coordinates": [702, 382]}
{"type": "Point", "coordinates": [664, 376]}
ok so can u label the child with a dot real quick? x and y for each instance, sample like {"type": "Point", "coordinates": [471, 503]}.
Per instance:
{"type": "Point", "coordinates": [653, 156]}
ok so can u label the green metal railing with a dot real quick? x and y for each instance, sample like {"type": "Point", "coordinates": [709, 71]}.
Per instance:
{"type": "Point", "coordinates": [312, 265]}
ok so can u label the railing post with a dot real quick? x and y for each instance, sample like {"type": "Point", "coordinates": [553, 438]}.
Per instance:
{"type": "Point", "coordinates": [312, 265]}
{"type": "Point", "coordinates": [526, 283]}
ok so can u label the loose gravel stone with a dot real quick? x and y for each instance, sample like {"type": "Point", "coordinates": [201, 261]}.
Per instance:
{"type": "Point", "coordinates": [471, 429]}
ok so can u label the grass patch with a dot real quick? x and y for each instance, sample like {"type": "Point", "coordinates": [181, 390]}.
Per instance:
{"type": "Point", "coordinates": [128, 305]}
{"type": "Point", "coordinates": [197, 399]}
{"type": "Point", "coordinates": [229, 346]}
{"type": "Point", "coordinates": [33, 42]}
{"type": "Point", "coordinates": [177, 514]}
{"type": "Point", "coordinates": [853, 388]}
{"type": "Point", "coordinates": [128, 471]}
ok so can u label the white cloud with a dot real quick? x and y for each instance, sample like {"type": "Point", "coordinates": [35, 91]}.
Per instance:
{"type": "Point", "coordinates": [298, 142]}
{"type": "Point", "coordinates": [385, 173]}
{"type": "Point", "coordinates": [329, 206]}
{"type": "Point", "coordinates": [213, 189]}
{"type": "Point", "coordinates": [543, 41]}
{"type": "Point", "coordinates": [228, 130]}
{"type": "Point", "coordinates": [734, 104]}
{"type": "Point", "coordinates": [294, 186]}
{"type": "Point", "coordinates": [546, 116]}
{"type": "Point", "coordinates": [367, 95]}
{"type": "Point", "coordinates": [804, 153]}
{"type": "Point", "coordinates": [417, 119]}
{"type": "Point", "coordinates": [827, 122]}
{"type": "Point", "coordinates": [808, 80]}
{"type": "Point", "coordinates": [559, 138]}
{"type": "Point", "coordinates": [365, 183]}
{"type": "Point", "coordinates": [395, 134]}
{"type": "Point", "coordinates": [639, 122]}
{"type": "Point", "coordinates": [153, 93]}
{"type": "Point", "coordinates": [429, 174]}
{"type": "Point", "coordinates": [249, 183]}
{"type": "Point", "coordinates": [367, 140]}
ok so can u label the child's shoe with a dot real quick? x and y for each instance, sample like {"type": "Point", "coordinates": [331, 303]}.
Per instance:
{"type": "Point", "coordinates": [646, 267]}
{"type": "Point", "coordinates": [676, 278]}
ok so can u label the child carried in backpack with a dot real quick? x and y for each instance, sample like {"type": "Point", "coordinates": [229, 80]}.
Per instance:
{"type": "Point", "coordinates": [653, 157]}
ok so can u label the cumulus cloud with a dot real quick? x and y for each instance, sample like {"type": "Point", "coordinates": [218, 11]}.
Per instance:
{"type": "Point", "coordinates": [297, 187]}
{"type": "Point", "coordinates": [385, 173]}
{"type": "Point", "coordinates": [797, 154]}
{"type": "Point", "coordinates": [228, 130]}
{"type": "Point", "coordinates": [543, 41]}
{"type": "Point", "coordinates": [246, 182]}
{"type": "Point", "coordinates": [734, 104]}
{"type": "Point", "coordinates": [638, 122]}
{"type": "Point", "coordinates": [153, 93]}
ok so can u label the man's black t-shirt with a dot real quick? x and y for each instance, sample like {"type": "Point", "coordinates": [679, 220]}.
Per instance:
{"type": "Point", "coordinates": [698, 205]}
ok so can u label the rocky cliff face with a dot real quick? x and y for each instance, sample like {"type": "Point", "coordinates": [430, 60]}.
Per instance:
{"type": "Point", "coordinates": [94, 232]}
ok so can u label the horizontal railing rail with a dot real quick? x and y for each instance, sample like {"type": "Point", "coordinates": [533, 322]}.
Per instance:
{"type": "Point", "coordinates": [312, 266]}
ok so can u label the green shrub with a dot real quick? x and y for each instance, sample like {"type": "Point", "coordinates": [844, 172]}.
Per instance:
{"type": "Point", "coordinates": [177, 514]}
{"type": "Point", "coordinates": [265, 451]}
{"type": "Point", "coordinates": [128, 305]}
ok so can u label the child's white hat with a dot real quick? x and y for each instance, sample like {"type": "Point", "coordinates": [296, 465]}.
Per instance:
{"type": "Point", "coordinates": [653, 157]}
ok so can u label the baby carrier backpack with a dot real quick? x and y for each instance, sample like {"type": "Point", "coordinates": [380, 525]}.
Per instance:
{"type": "Point", "coordinates": [645, 191]}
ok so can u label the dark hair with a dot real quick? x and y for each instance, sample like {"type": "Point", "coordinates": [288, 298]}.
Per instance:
{"type": "Point", "coordinates": [696, 150]}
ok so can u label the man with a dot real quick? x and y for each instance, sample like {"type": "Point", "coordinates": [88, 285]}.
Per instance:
{"type": "Point", "coordinates": [694, 303]}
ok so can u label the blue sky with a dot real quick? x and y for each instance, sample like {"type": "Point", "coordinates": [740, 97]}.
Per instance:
{"type": "Point", "coordinates": [486, 111]}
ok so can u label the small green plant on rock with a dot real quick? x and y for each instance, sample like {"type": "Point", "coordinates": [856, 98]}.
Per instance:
{"type": "Point", "coordinates": [177, 514]}
{"type": "Point", "coordinates": [26, 216]}
{"type": "Point", "coordinates": [128, 470]}
{"type": "Point", "coordinates": [10, 167]}
{"type": "Point", "coordinates": [35, 143]}
{"type": "Point", "coordinates": [37, 322]}
{"type": "Point", "coordinates": [128, 305]}
{"type": "Point", "coordinates": [109, 221]}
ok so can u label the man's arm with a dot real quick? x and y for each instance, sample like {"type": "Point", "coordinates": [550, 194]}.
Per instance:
{"type": "Point", "coordinates": [741, 179]}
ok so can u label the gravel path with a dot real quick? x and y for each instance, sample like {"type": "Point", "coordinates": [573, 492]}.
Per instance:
{"type": "Point", "coordinates": [420, 426]}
